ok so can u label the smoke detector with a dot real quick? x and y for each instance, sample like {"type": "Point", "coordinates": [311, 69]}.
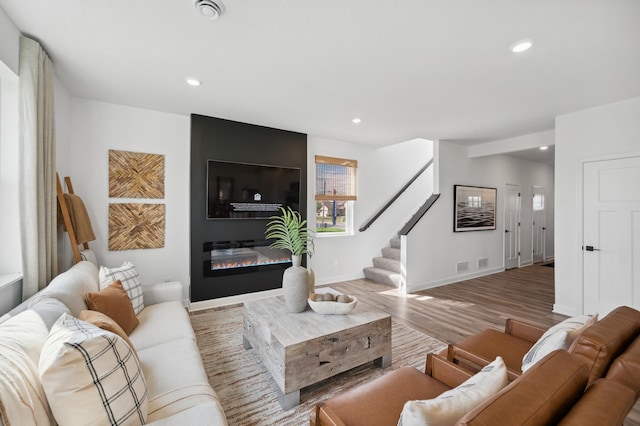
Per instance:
{"type": "Point", "coordinates": [210, 9]}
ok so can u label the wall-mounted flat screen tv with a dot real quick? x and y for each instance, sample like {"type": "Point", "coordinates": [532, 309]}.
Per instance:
{"type": "Point", "coordinates": [250, 191]}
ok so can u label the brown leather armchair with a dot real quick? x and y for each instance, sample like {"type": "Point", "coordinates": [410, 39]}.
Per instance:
{"type": "Point", "coordinates": [380, 402]}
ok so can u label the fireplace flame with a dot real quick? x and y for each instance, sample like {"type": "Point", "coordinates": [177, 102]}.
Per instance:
{"type": "Point", "coordinates": [231, 264]}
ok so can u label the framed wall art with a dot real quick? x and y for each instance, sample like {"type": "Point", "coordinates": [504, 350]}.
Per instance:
{"type": "Point", "coordinates": [135, 175]}
{"type": "Point", "coordinates": [474, 208]}
{"type": "Point", "coordinates": [134, 226]}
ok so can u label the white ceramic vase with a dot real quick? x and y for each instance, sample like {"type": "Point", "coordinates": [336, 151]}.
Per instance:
{"type": "Point", "coordinates": [295, 283]}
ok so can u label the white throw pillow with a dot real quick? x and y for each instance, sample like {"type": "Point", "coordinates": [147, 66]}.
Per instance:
{"type": "Point", "coordinates": [450, 406]}
{"type": "Point", "coordinates": [128, 276]}
{"type": "Point", "coordinates": [91, 376]}
{"type": "Point", "coordinates": [560, 336]}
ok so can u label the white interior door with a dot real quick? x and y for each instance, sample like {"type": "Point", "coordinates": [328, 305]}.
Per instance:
{"type": "Point", "coordinates": [511, 226]}
{"type": "Point", "coordinates": [538, 225]}
{"type": "Point", "coordinates": [611, 234]}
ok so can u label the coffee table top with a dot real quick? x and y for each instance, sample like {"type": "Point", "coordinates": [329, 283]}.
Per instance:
{"type": "Point", "coordinates": [290, 329]}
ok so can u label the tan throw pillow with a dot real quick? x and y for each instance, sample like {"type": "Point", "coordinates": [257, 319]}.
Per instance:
{"type": "Point", "coordinates": [450, 406]}
{"type": "Point", "coordinates": [560, 336]}
{"type": "Point", "coordinates": [114, 302]}
{"type": "Point", "coordinates": [104, 322]}
{"type": "Point", "coordinates": [91, 377]}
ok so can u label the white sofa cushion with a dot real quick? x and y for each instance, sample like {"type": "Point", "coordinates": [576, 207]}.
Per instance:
{"type": "Point", "coordinates": [90, 376]}
{"type": "Point", "coordinates": [130, 280]}
{"type": "Point", "coordinates": [22, 398]}
{"type": "Point", "coordinates": [161, 323]}
{"type": "Point", "coordinates": [70, 287]}
{"type": "Point", "coordinates": [49, 309]}
{"type": "Point", "coordinates": [181, 386]}
{"type": "Point", "coordinates": [163, 371]}
{"type": "Point", "coordinates": [206, 413]}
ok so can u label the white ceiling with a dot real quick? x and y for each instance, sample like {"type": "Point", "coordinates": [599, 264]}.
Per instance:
{"type": "Point", "coordinates": [436, 69]}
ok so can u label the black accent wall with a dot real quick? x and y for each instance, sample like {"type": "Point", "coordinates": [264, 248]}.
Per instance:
{"type": "Point", "coordinates": [218, 139]}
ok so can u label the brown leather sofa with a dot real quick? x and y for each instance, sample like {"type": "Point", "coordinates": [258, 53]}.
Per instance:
{"type": "Point", "coordinates": [597, 347]}
{"type": "Point", "coordinates": [603, 366]}
{"type": "Point", "coordinates": [549, 393]}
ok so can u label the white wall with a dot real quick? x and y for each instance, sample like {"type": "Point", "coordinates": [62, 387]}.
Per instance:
{"type": "Point", "coordinates": [10, 258]}
{"type": "Point", "coordinates": [433, 249]}
{"type": "Point", "coordinates": [381, 172]}
{"type": "Point", "coordinates": [97, 127]}
{"type": "Point", "coordinates": [603, 132]}
{"type": "Point", "coordinates": [9, 42]}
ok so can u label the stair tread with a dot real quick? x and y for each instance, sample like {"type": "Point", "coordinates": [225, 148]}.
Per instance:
{"type": "Point", "coordinates": [391, 253]}
{"type": "Point", "coordinates": [393, 265]}
{"type": "Point", "coordinates": [394, 243]}
{"type": "Point", "coordinates": [383, 276]}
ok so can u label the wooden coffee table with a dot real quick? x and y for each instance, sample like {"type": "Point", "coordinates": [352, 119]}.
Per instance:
{"type": "Point", "coordinates": [305, 348]}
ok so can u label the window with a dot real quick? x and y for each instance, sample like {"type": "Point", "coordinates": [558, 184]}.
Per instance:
{"type": "Point", "coordinates": [10, 252]}
{"type": "Point", "coordinates": [538, 202]}
{"type": "Point", "coordinates": [335, 194]}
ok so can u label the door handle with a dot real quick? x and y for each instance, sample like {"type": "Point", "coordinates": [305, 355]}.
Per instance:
{"type": "Point", "coordinates": [590, 248]}
{"type": "Point", "coordinates": [506, 231]}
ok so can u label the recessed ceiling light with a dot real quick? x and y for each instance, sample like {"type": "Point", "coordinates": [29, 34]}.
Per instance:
{"type": "Point", "coordinates": [210, 9]}
{"type": "Point", "coordinates": [193, 81]}
{"type": "Point", "coordinates": [356, 121]}
{"type": "Point", "coordinates": [544, 148]}
{"type": "Point", "coordinates": [521, 46]}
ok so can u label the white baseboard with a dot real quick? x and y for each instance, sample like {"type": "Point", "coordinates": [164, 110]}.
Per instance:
{"type": "Point", "coordinates": [233, 300]}
{"type": "Point", "coordinates": [527, 263]}
{"type": "Point", "coordinates": [455, 279]}
{"type": "Point", "coordinates": [565, 310]}
{"type": "Point", "coordinates": [338, 279]}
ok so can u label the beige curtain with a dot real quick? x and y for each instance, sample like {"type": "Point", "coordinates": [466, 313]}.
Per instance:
{"type": "Point", "coordinates": [38, 226]}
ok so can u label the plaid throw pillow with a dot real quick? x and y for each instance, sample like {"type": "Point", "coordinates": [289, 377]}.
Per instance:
{"type": "Point", "coordinates": [91, 376]}
{"type": "Point", "coordinates": [128, 276]}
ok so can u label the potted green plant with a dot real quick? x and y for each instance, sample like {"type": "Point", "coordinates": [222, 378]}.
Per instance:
{"type": "Point", "coordinates": [289, 232]}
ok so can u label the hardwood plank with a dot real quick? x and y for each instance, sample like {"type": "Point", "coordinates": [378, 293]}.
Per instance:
{"type": "Point", "coordinates": [455, 311]}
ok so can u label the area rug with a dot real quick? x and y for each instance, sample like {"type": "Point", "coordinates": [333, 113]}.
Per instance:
{"type": "Point", "coordinates": [245, 387]}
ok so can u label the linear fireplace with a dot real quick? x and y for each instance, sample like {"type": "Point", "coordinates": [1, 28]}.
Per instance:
{"type": "Point", "coordinates": [245, 271]}
{"type": "Point", "coordinates": [241, 257]}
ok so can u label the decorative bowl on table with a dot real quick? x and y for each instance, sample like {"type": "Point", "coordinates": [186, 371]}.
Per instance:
{"type": "Point", "coordinates": [331, 302]}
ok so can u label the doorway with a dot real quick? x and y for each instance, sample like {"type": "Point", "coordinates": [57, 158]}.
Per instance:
{"type": "Point", "coordinates": [611, 234]}
{"type": "Point", "coordinates": [511, 226]}
{"type": "Point", "coordinates": [538, 234]}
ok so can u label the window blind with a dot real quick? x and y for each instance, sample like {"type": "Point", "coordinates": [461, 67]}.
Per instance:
{"type": "Point", "coordinates": [335, 178]}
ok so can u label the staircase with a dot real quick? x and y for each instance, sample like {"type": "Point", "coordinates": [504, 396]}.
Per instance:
{"type": "Point", "coordinates": [386, 269]}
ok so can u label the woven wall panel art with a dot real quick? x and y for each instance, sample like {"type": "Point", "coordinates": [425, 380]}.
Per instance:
{"type": "Point", "coordinates": [136, 226]}
{"type": "Point", "coordinates": [136, 175]}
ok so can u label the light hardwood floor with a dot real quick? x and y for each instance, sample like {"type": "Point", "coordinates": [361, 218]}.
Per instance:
{"type": "Point", "coordinates": [454, 311]}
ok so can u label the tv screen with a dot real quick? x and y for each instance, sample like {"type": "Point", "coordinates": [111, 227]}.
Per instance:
{"type": "Point", "coordinates": [250, 191]}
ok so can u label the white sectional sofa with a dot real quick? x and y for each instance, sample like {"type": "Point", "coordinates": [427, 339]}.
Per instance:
{"type": "Point", "coordinates": [177, 388]}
